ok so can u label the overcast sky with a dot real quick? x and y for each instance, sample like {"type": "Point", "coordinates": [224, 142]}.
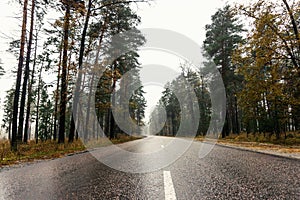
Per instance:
{"type": "Point", "coordinates": [187, 17]}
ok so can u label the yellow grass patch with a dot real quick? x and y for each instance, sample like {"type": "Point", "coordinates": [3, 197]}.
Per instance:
{"type": "Point", "coordinates": [288, 143]}
{"type": "Point", "coordinates": [50, 149]}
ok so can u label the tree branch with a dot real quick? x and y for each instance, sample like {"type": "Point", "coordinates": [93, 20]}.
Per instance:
{"type": "Point", "coordinates": [120, 2]}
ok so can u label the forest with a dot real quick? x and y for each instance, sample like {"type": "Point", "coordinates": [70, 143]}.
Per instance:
{"type": "Point", "coordinates": [256, 49]}
{"type": "Point", "coordinates": [255, 46]}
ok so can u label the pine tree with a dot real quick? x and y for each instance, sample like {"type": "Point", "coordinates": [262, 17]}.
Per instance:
{"type": "Point", "coordinates": [15, 136]}
{"type": "Point", "coordinates": [45, 114]}
{"type": "Point", "coordinates": [222, 37]}
{"type": "Point", "coordinates": [8, 112]}
{"type": "Point", "coordinates": [26, 73]}
{"type": "Point", "coordinates": [2, 72]}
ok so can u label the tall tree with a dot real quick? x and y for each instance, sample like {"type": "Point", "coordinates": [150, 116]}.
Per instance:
{"type": "Point", "coordinates": [26, 73]}
{"type": "Point", "coordinates": [222, 37]}
{"type": "Point", "coordinates": [80, 62]}
{"type": "Point", "coordinates": [269, 63]}
{"type": "Point", "coordinates": [29, 96]}
{"type": "Point", "coordinates": [102, 9]}
{"type": "Point", "coordinates": [55, 43]}
{"type": "Point", "coordinates": [8, 111]}
{"type": "Point", "coordinates": [45, 114]}
{"type": "Point", "coordinates": [63, 91]}
{"type": "Point", "coordinates": [38, 12]}
{"type": "Point", "coordinates": [16, 136]}
{"type": "Point", "coordinates": [38, 104]}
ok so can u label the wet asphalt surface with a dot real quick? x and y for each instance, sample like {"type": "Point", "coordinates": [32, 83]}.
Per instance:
{"type": "Point", "coordinates": [225, 173]}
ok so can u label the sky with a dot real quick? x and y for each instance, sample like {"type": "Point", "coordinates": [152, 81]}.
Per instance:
{"type": "Point", "coordinates": [187, 17]}
{"type": "Point", "coordinates": [9, 28]}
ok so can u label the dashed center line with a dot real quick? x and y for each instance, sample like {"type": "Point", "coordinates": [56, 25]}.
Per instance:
{"type": "Point", "coordinates": [169, 187]}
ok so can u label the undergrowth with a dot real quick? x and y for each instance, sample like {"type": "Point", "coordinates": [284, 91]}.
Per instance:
{"type": "Point", "coordinates": [51, 149]}
{"type": "Point", "coordinates": [291, 138]}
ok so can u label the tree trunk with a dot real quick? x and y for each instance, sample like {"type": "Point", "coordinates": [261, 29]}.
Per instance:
{"type": "Point", "coordinates": [18, 82]}
{"type": "Point", "coordinates": [226, 130]}
{"type": "Point", "coordinates": [106, 123]}
{"type": "Point", "coordinates": [111, 125]}
{"type": "Point", "coordinates": [237, 124]}
{"type": "Point", "coordinates": [26, 75]}
{"type": "Point", "coordinates": [9, 131]}
{"type": "Point", "coordinates": [51, 124]}
{"type": "Point", "coordinates": [63, 92]}
{"type": "Point", "coordinates": [112, 120]}
{"type": "Point", "coordinates": [38, 107]}
{"type": "Point", "coordinates": [87, 122]}
{"type": "Point", "coordinates": [277, 125]}
{"type": "Point", "coordinates": [57, 96]}
{"type": "Point", "coordinates": [294, 23]}
{"type": "Point", "coordinates": [79, 79]}
{"type": "Point", "coordinates": [29, 97]}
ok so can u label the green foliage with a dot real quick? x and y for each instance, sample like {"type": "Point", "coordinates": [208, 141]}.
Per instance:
{"type": "Point", "coordinates": [222, 37]}
{"type": "Point", "coordinates": [45, 115]}
{"type": "Point", "coordinates": [105, 38]}
{"type": "Point", "coordinates": [174, 113]}
{"type": "Point", "coordinates": [270, 97]}
{"type": "Point", "coordinates": [8, 111]}
{"type": "Point", "coordinates": [2, 72]}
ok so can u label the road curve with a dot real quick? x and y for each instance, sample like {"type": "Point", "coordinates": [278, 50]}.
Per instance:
{"type": "Point", "coordinates": [225, 173]}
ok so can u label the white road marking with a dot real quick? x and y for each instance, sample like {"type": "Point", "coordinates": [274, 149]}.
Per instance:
{"type": "Point", "coordinates": [169, 187]}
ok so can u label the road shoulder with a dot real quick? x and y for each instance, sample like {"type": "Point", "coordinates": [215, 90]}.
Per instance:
{"type": "Point", "coordinates": [292, 152]}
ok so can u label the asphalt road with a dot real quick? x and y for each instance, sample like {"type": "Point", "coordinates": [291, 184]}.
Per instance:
{"type": "Point", "coordinates": [225, 173]}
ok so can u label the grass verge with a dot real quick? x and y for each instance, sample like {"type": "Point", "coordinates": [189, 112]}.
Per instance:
{"type": "Point", "coordinates": [102, 142]}
{"type": "Point", "coordinates": [288, 143]}
{"type": "Point", "coordinates": [50, 149]}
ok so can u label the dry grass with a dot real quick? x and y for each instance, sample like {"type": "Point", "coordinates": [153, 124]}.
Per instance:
{"type": "Point", "coordinates": [42, 150]}
{"type": "Point", "coordinates": [264, 146]}
{"type": "Point", "coordinates": [50, 149]}
{"type": "Point", "coordinates": [289, 144]}
{"type": "Point", "coordinates": [291, 139]}
{"type": "Point", "coordinates": [102, 142]}
{"type": "Point", "coordinates": [200, 138]}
